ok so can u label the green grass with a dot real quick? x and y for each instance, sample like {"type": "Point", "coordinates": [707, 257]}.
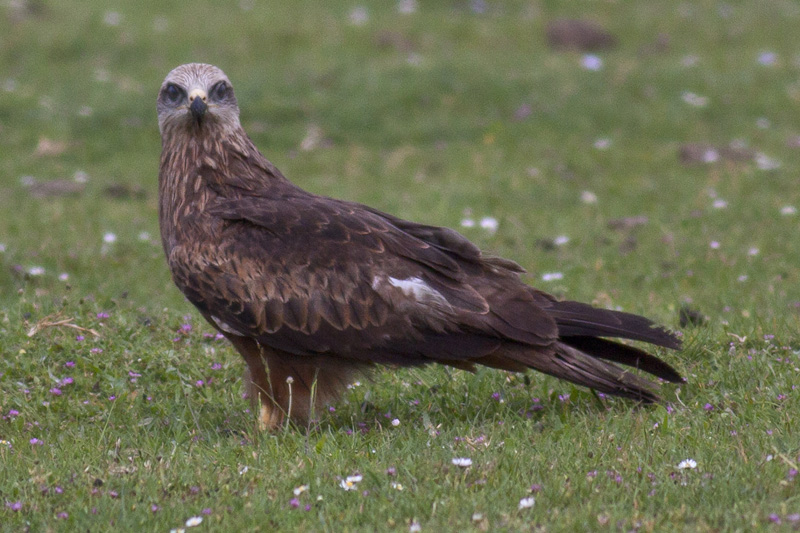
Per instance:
{"type": "Point", "coordinates": [434, 141]}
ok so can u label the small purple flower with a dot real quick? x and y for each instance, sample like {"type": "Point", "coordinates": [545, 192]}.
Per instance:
{"type": "Point", "coordinates": [219, 336]}
{"type": "Point", "coordinates": [563, 397]}
{"type": "Point", "coordinates": [775, 519]}
{"type": "Point", "coordinates": [708, 407]}
{"type": "Point", "coordinates": [13, 412]}
{"type": "Point", "coordinates": [391, 471]}
{"type": "Point", "coordinates": [96, 350]}
{"type": "Point", "coordinates": [308, 507]}
{"type": "Point", "coordinates": [62, 515]}
{"type": "Point", "coordinates": [294, 503]}
{"type": "Point", "coordinates": [66, 381]}
{"type": "Point", "coordinates": [206, 511]}
{"type": "Point", "coordinates": [216, 366]}
{"type": "Point", "coordinates": [496, 396]}
{"type": "Point", "coordinates": [792, 474]}
{"type": "Point", "coordinates": [14, 506]}
{"type": "Point", "coordinates": [154, 508]}
{"type": "Point", "coordinates": [58, 490]}
{"type": "Point", "coordinates": [536, 488]}
{"type": "Point", "coordinates": [114, 494]}
{"type": "Point", "coordinates": [55, 391]}
{"type": "Point", "coordinates": [112, 398]}
{"type": "Point", "coordinates": [102, 315]}
{"type": "Point", "coordinates": [79, 338]}
{"type": "Point", "coordinates": [34, 441]}
{"type": "Point", "coordinates": [199, 383]}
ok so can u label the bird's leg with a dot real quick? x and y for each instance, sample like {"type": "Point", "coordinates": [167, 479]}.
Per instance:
{"type": "Point", "coordinates": [270, 415]}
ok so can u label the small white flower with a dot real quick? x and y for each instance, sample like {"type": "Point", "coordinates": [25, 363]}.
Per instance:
{"type": "Point", "coordinates": [742, 278]}
{"type": "Point", "coordinates": [177, 530]}
{"type": "Point", "coordinates": [763, 123]}
{"type": "Point", "coordinates": [397, 486]}
{"type": "Point", "coordinates": [477, 517]}
{"type": "Point", "coordinates": [719, 203]}
{"type": "Point", "coordinates": [36, 271]}
{"type": "Point", "coordinates": [109, 238]}
{"type": "Point", "coordinates": [690, 60]}
{"type": "Point", "coordinates": [407, 7]}
{"type": "Point", "coordinates": [788, 210]}
{"type": "Point", "coordinates": [2, 247]}
{"type": "Point", "coordinates": [243, 470]}
{"type": "Point", "coordinates": [63, 276]}
{"type": "Point", "coordinates": [552, 276]}
{"type": "Point", "coordinates": [714, 245]}
{"type": "Point", "coordinates": [350, 482]}
{"type": "Point", "coordinates": [194, 521]}
{"type": "Point", "coordinates": [764, 162]}
{"type": "Point", "coordinates": [359, 16]}
{"type": "Point", "coordinates": [752, 252]}
{"type": "Point", "coordinates": [603, 144]}
{"type": "Point", "coordinates": [354, 384]}
{"type": "Point", "coordinates": [490, 224]}
{"type": "Point", "coordinates": [592, 62]}
{"type": "Point", "coordinates": [687, 464]}
{"type": "Point", "coordinates": [112, 18]}
{"type": "Point", "coordinates": [561, 240]}
{"type": "Point", "coordinates": [300, 490]}
{"type": "Point", "coordinates": [462, 462]}
{"type": "Point", "coordinates": [414, 527]}
{"type": "Point", "coordinates": [526, 503]}
{"type": "Point", "coordinates": [144, 236]}
{"type": "Point", "coordinates": [694, 99]}
{"type": "Point", "coordinates": [80, 176]}
{"type": "Point", "coordinates": [710, 156]}
{"type": "Point", "coordinates": [467, 223]}
{"type": "Point", "coordinates": [396, 422]}
{"type": "Point", "coordinates": [588, 197]}
{"type": "Point", "coordinates": [767, 58]}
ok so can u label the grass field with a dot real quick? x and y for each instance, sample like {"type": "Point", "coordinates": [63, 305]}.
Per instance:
{"type": "Point", "coordinates": [122, 411]}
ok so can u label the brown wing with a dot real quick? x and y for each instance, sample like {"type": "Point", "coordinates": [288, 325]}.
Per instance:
{"type": "Point", "coordinates": [310, 275]}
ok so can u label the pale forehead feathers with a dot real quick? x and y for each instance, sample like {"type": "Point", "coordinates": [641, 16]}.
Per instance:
{"type": "Point", "coordinates": [195, 75]}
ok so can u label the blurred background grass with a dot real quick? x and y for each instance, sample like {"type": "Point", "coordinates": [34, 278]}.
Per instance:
{"type": "Point", "coordinates": [452, 111]}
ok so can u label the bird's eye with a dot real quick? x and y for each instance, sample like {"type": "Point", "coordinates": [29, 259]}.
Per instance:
{"type": "Point", "coordinates": [173, 92]}
{"type": "Point", "coordinates": [221, 90]}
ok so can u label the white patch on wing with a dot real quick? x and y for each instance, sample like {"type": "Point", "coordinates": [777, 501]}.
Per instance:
{"type": "Point", "coordinates": [419, 290]}
{"type": "Point", "coordinates": [224, 327]}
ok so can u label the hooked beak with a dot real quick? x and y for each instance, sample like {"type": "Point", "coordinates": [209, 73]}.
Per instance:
{"type": "Point", "coordinates": [197, 105]}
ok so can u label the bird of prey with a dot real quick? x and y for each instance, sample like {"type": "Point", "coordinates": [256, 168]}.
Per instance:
{"type": "Point", "coordinates": [312, 290]}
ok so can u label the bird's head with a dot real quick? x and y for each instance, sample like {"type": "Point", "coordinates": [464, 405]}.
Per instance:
{"type": "Point", "coordinates": [196, 97]}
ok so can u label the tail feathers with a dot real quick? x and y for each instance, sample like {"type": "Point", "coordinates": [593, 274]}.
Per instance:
{"type": "Point", "coordinates": [576, 319]}
{"type": "Point", "coordinates": [571, 364]}
{"type": "Point", "coordinates": [626, 355]}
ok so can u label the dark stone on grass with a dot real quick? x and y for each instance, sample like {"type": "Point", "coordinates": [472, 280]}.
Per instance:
{"type": "Point", "coordinates": [691, 317]}
{"type": "Point", "coordinates": [121, 191]}
{"type": "Point", "coordinates": [626, 223]}
{"type": "Point", "coordinates": [55, 188]}
{"type": "Point", "coordinates": [579, 34]}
